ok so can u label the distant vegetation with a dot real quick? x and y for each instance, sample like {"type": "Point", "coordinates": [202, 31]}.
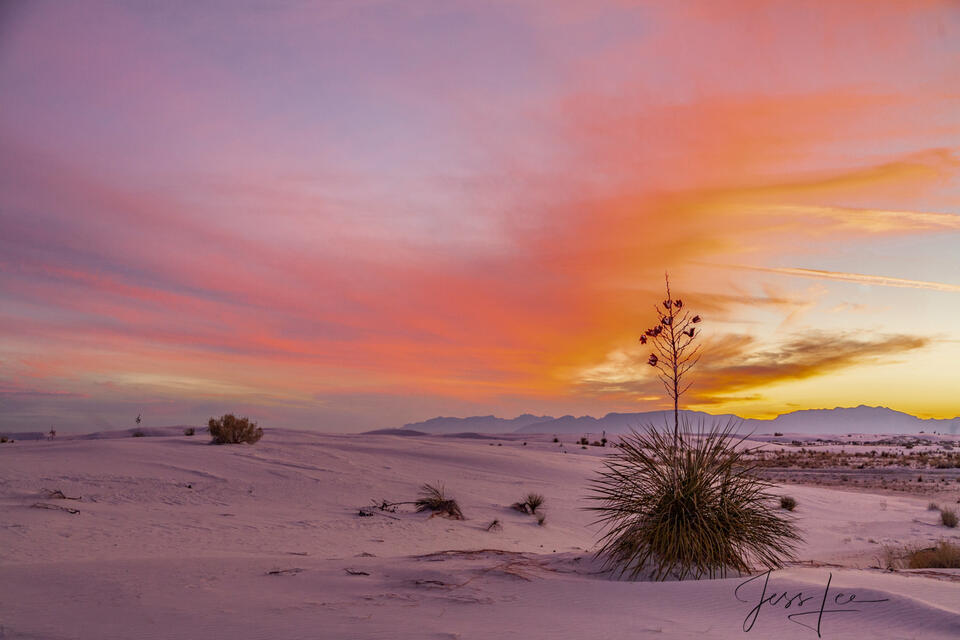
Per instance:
{"type": "Point", "coordinates": [788, 503]}
{"type": "Point", "coordinates": [949, 518]}
{"type": "Point", "coordinates": [230, 429]}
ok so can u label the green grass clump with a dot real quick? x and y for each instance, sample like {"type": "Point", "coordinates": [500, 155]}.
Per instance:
{"type": "Point", "coordinates": [691, 509]}
{"type": "Point", "coordinates": [230, 429]}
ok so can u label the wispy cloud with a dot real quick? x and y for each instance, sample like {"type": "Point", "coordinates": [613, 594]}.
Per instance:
{"type": "Point", "coordinates": [856, 278]}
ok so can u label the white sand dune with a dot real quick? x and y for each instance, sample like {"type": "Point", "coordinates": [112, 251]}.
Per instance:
{"type": "Point", "coordinates": [179, 539]}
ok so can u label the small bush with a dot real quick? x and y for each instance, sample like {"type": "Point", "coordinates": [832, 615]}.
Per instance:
{"type": "Point", "coordinates": [189, 431]}
{"type": "Point", "coordinates": [944, 556]}
{"type": "Point", "coordinates": [3, 439]}
{"type": "Point", "coordinates": [495, 526]}
{"type": "Point", "coordinates": [138, 434]}
{"type": "Point", "coordinates": [556, 439]}
{"type": "Point", "coordinates": [788, 503]}
{"type": "Point", "coordinates": [949, 518]}
{"type": "Point", "coordinates": [432, 498]}
{"type": "Point", "coordinates": [541, 519]}
{"type": "Point", "coordinates": [933, 506]}
{"type": "Point", "coordinates": [230, 429]}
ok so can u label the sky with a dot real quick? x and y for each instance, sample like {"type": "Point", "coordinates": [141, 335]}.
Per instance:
{"type": "Point", "coordinates": [352, 215]}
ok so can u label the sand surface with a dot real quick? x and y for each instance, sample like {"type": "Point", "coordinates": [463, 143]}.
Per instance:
{"type": "Point", "coordinates": [179, 539]}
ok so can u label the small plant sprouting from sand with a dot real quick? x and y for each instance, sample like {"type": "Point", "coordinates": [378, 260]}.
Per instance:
{"type": "Point", "coordinates": [933, 506]}
{"type": "Point", "coordinates": [432, 498]}
{"type": "Point", "coordinates": [696, 509]}
{"type": "Point", "coordinates": [541, 519]}
{"type": "Point", "coordinates": [495, 526]}
{"type": "Point", "coordinates": [229, 429]}
{"type": "Point", "coordinates": [189, 431]}
{"type": "Point", "coordinates": [788, 503]}
{"type": "Point", "coordinates": [949, 518]}
{"type": "Point", "coordinates": [139, 434]}
{"type": "Point", "coordinates": [530, 504]}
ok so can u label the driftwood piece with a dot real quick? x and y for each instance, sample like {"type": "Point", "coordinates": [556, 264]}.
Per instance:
{"type": "Point", "coordinates": [54, 507]}
{"type": "Point", "coordinates": [56, 494]}
{"type": "Point", "coordinates": [356, 572]}
{"type": "Point", "coordinates": [284, 572]}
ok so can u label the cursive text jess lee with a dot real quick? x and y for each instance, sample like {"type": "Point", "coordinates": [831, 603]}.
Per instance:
{"type": "Point", "coordinates": [825, 601]}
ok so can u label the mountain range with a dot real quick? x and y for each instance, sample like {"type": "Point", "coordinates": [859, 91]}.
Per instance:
{"type": "Point", "coordinates": [862, 419]}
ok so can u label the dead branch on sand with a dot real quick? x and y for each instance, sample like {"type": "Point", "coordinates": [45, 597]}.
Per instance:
{"type": "Point", "coordinates": [54, 507]}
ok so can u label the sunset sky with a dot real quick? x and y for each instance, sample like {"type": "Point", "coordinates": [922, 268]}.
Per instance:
{"type": "Point", "coordinates": [347, 215]}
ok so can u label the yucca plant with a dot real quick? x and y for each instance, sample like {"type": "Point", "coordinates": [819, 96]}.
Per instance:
{"type": "Point", "coordinates": [691, 509]}
{"type": "Point", "coordinates": [433, 498]}
{"type": "Point", "coordinates": [530, 504]}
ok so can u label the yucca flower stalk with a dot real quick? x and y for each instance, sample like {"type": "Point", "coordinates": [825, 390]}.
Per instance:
{"type": "Point", "coordinates": [674, 352]}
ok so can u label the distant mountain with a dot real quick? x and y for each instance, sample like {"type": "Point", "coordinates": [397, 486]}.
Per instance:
{"type": "Point", "coordinates": [862, 419]}
{"type": "Point", "coordinates": [840, 420]}
{"type": "Point", "coordinates": [476, 424]}
{"type": "Point", "coordinates": [615, 422]}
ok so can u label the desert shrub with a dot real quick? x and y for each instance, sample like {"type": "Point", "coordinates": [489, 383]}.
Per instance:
{"type": "Point", "coordinates": [933, 506]}
{"type": "Point", "coordinates": [138, 434]}
{"type": "Point", "coordinates": [541, 519]}
{"type": "Point", "coordinates": [944, 556]}
{"type": "Point", "coordinates": [432, 498]}
{"type": "Point", "coordinates": [495, 526]}
{"type": "Point", "coordinates": [694, 508]}
{"type": "Point", "coordinates": [520, 506]}
{"type": "Point", "coordinates": [949, 518]}
{"type": "Point", "coordinates": [528, 504]}
{"type": "Point", "coordinates": [534, 500]}
{"type": "Point", "coordinates": [788, 503]}
{"type": "Point", "coordinates": [230, 429]}
{"type": "Point", "coordinates": [3, 439]}
{"type": "Point", "coordinates": [189, 431]}
{"type": "Point", "coordinates": [556, 439]}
